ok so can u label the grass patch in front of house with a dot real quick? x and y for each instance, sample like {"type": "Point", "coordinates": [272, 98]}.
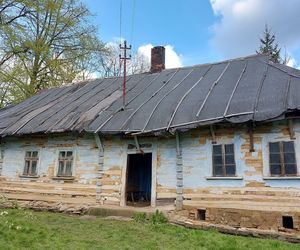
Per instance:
{"type": "Point", "coordinates": [24, 229]}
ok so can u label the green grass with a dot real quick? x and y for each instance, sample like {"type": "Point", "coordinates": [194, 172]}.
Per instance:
{"type": "Point", "coordinates": [24, 229]}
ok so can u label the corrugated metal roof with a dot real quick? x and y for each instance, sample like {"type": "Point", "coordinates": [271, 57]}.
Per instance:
{"type": "Point", "coordinates": [239, 90]}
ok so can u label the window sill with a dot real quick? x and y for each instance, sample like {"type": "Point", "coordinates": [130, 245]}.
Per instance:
{"type": "Point", "coordinates": [281, 178]}
{"type": "Point", "coordinates": [224, 178]}
{"type": "Point", "coordinates": [66, 178]}
{"type": "Point", "coordinates": [29, 176]}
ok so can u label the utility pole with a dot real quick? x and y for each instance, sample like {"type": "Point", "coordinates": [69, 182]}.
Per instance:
{"type": "Point", "coordinates": [125, 58]}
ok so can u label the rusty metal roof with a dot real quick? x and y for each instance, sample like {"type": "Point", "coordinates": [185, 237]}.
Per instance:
{"type": "Point", "coordinates": [237, 91]}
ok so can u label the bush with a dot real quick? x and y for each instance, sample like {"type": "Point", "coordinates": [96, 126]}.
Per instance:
{"type": "Point", "coordinates": [158, 218]}
{"type": "Point", "coordinates": [140, 217]}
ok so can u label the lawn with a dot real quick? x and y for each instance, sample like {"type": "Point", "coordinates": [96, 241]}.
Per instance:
{"type": "Point", "coordinates": [24, 229]}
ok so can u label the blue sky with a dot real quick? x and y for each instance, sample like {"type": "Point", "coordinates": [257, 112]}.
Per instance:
{"type": "Point", "coordinates": [200, 31]}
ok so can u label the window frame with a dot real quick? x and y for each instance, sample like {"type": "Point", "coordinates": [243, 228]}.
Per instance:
{"type": "Point", "coordinates": [31, 159]}
{"type": "Point", "coordinates": [223, 154]}
{"type": "Point", "coordinates": [282, 160]}
{"type": "Point", "coordinates": [65, 159]}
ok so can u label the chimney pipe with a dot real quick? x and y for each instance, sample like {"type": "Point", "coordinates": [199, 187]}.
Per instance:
{"type": "Point", "coordinates": [157, 59]}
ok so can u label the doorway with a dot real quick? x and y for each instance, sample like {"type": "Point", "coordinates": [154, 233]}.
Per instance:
{"type": "Point", "coordinates": [139, 179]}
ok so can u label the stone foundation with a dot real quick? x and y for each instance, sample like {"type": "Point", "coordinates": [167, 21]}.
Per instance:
{"type": "Point", "coordinates": [242, 218]}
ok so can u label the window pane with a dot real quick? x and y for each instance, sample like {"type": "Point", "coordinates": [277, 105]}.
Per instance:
{"type": "Point", "coordinates": [28, 154]}
{"type": "Point", "coordinates": [289, 158]}
{"type": "Point", "coordinates": [60, 168]}
{"type": "Point", "coordinates": [69, 153]}
{"type": "Point", "coordinates": [274, 158]}
{"type": "Point", "coordinates": [275, 169]}
{"type": "Point", "coordinates": [218, 170]}
{"type": "Point", "coordinates": [33, 168]}
{"type": "Point", "coordinates": [68, 168]}
{"type": "Point", "coordinates": [217, 149]}
{"type": "Point", "coordinates": [217, 160]}
{"type": "Point", "coordinates": [26, 167]}
{"type": "Point", "coordinates": [229, 159]}
{"type": "Point", "coordinates": [34, 154]}
{"type": "Point", "coordinates": [290, 169]}
{"type": "Point", "coordinates": [230, 170]}
{"type": "Point", "coordinates": [288, 146]}
{"type": "Point", "coordinates": [62, 154]}
{"type": "Point", "coordinates": [229, 149]}
{"type": "Point", "coordinates": [274, 147]}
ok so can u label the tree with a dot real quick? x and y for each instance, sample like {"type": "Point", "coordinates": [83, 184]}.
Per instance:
{"type": "Point", "coordinates": [139, 63]}
{"type": "Point", "coordinates": [111, 64]}
{"type": "Point", "coordinates": [10, 11]}
{"type": "Point", "coordinates": [286, 58]}
{"type": "Point", "coordinates": [7, 16]}
{"type": "Point", "coordinates": [269, 45]}
{"type": "Point", "coordinates": [45, 43]}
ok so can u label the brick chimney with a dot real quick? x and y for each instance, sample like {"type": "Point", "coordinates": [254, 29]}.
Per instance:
{"type": "Point", "coordinates": [157, 59]}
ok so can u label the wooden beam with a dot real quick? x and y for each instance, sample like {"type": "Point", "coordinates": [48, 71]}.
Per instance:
{"type": "Point", "coordinates": [99, 142]}
{"type": "Point", "coordinates": [100, 145]}
{"type": "Point", "coordinates": [1, 155]}
{"type": "Point", "coordinates": [250, 131]}
{"type": "Point", "coordinates": [213, 135]}
{"type": "Point", "coordinates": [291, 129]}
{"type": "Point", "coordinates": [137, 145]}
{"type": "Point", "coordinates": [179, 174]}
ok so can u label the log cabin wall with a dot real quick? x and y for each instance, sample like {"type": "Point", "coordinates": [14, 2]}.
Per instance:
{"type": "Point", "coordinates": [46, 186]}
{"type": "Point", "coordinates": [237, 200]}
{"type": "Point", "coordinates": [252, 198]}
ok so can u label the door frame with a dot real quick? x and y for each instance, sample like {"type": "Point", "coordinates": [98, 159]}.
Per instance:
{"type": "Point", "coordinates": [124, 175]}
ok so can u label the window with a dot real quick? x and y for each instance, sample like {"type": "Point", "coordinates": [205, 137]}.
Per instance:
{"type": "Point", "coordinates": [65, 162]}
{"type": "Point", "coordinates": [282, 158]}
{"type": "Point", "coordinates": [201, 214]}
{"type": "Point", "coordinates": [287, 222]}
{"type": "Point", "coordinates": [223, 160]}
{"type": "Point", "coordinates": [31, 160]}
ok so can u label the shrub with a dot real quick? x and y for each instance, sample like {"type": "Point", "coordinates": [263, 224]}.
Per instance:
{"type": "Point", "coordinates": [140, 217]}
{"type": "Point", "coordinates": [158, 218]}
{"type": "Point", "coordinates": [15, 204]}
{"type": "Point", "coordinates": [3, 200]}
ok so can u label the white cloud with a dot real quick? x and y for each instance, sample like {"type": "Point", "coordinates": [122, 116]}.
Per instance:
{"type": "Point", "coordinates": [241, 23]}
{"type": "Point", "coordinates": [293, 63]}
{"type": "Point", "coordinates": [173, 60]}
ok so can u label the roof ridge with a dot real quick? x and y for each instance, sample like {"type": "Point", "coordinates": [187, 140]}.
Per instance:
{"type": "Point", "coordinates": [87, 81]}
{"type": "Point", "coordinates": [226, 61]}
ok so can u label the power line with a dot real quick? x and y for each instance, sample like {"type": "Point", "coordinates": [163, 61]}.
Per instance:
{"type": "Point", "coordinates": [120, 21]}
{"type": "Point", "coordinates": [132, 21]}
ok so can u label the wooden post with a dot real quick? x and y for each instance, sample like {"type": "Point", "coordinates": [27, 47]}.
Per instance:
{"type": "Point", "coordinates": [250, 131]}
{"type": "Point", "coordinates": [213, 135]}
{"type": "Point", "coordinates": [179, 174]}
{"type": "Point", "coordinates": [1, 155]}
{"type": "Point", "coordinates": [291, 129]}
{"type": "Point", "coordinates": [125, 58]}
{"type": "Point", "coordinates": [100, 169]}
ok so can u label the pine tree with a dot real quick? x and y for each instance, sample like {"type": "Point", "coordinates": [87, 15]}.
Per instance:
{"type": "Point", "coordinates": [269, 45]}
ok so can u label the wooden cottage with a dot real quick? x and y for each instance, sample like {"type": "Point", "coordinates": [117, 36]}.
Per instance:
{"type": "Point", "coordinates": [220, 141]}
